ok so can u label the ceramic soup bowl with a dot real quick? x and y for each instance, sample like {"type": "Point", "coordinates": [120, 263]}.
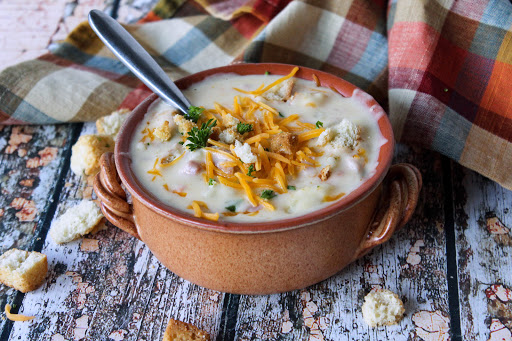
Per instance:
{"type": "Point", "coordinates": [270, 257]}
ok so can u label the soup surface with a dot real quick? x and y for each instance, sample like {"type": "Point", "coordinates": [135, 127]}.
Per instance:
{"type": "Point", "coordinates": [256, 153]}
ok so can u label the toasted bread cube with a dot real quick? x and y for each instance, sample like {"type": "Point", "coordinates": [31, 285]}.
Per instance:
{"type": "Point", "coordinates": [344, 134]}
{"type": "Point", "coordinates": [280, 92]}
{"type": "Point", "coordinates": [283, 143]}
{"type": "Point", "coordinates": [325, 173]}
{"type": "Point", "coordinates": [182, 331]}
{"type": "Point", "coordinates": [22, 270]}
{"type": "Point", "coordinates": [244, 152]}
{"type": "Point", "coordinates": [184, 125]}
{"type": "Point", "coordinates": [230, 121]}
{"type": "Point", "coordinates": [76, 222]}
{"type": "Point", "coordinates": [110, 124]}
{"type": "Point", "coordinates": [86, 153]}
{"type": "Point", "coordinates": [230, 135]}
{"type": "Point", "coordinates": [382, 307]}
{"type": "Point", "coordinates": [164, 132]}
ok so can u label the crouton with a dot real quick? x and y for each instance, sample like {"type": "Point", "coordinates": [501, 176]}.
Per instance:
{"type": "Point", "coordinates": [280, 92]}
{"type": "Point", "coordinates": [230, 135]}
{"type": "Point", "coordinates": [344, 134]}
{"type": "Point", "coordinates": [110, 124]}
{"type": "Point", "coordinates": [22, 270]}
{"type": "Point", "coordinates": [325, 173]}
{"type": "Point", "coordinates": [163, 132]}
{"type": "Point", "coordinates": [283, 143]}
{"type": "Point", "coordinates": [182, 331]}
{"type": "Point", "coordinates": [243, 151]}
{"type": "Point", "coordinates": [184, 125]}
{"type": "Point", "coordinates": [230, 121]}
{"type": "Point", "coordinates": [86, 153]}
{"type": "Point", "coordinates": [382, 308]}
{"type": "Point", "coordinates": [215, 133]}
{"type": "Point", "coordinates": [76, 222]}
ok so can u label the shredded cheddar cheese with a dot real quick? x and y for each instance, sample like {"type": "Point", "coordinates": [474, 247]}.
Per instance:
{"type": "Point", "coordinates": [16, 317]}
{"type": "Point", "coordinates": [198, 212]}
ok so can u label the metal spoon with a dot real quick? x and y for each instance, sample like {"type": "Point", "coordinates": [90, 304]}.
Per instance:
{"type": "Point", "coordinates": [138, 60]}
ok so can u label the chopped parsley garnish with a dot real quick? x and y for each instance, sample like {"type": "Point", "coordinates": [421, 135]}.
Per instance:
{"type": "Point", "coordinates": [319, 124]}
{"type": "Point", "coordinates": [293, 188]}
{"type": "Point", "coordinates": [267, 194]}
{"type": "Point", "coordinates": [181, 142]}
{"type": "Point", "coordinates": [199, 137]}
{"type": "Point", "coordinates": [251, 169]}
{"type": "Point", "coordinates": [280, 115]}
{"type": "Point", "coordinates": [244, 127]}
{"type": "Point", "coordinates": [267, 73]}
{"type": "Point", "coordinates": [194, 113]}
{"type": "Point", "coordinates": [211, 182]}
{"type": "Point", "coordinates": [231, 208]}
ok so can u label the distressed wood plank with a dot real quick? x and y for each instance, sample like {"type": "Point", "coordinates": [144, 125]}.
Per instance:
{"type": "Point", "coordinates": [110, 286]}
{"type": "Point", "coordinates": [483, 221]}
{"type": "Point", "coordinates": [412, 264]}
{"type": "Point", "coordinates": [31, 160]}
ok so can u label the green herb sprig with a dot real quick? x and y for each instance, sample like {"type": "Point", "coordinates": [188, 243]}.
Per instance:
{"type": "Point", "coordinates": [194, 113]}
{"type": "Point", "coordinates": [198, 137]}
{"type": "Point", "coordinates": [268, 194]}
{"type": "Point", "coordinates": [231, 208]}
{"type": "Point", "coordinates": [319, 124]}
{"type": "Point", "coordinates": [244, 127]}
{"type": "Point", "coordinates": [251, 170]}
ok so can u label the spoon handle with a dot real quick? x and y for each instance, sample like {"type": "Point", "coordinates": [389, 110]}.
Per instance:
{"type": "Point", "coordinates": [138, 60]}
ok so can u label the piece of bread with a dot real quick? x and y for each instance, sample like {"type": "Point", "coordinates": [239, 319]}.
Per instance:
{"type": "Point", "coordinates": [86, 153]}
{"type": "Point", "coordinates": [110, 124]}
{"type": "Point", "coordinates": [181, 331]}
{"type": "Point", "coordinates": [244, 152]}
{"type": "Point", "coordinates": [22, 270]}
{"type": "Point", "coordinates": [344, 134]}
{"type": "Point", "coordinates": [230, 135]}
{"type": "Point", "coordinates": [283, 143]}
{"type": "Point", "coordinates": [76, 222]}
{"type": "Point", "coordinates": [184, 125]}
{"type": "Point", "coordinates": [230, 121]}
{"type": "Point", "coordinates": [164, 132]}
{"type": "Point", "coordinates": [280, 92]}
{"type": "Point", "coordinates": [382, 307]}
{"type": "Point", "coordinates": [325, 173]}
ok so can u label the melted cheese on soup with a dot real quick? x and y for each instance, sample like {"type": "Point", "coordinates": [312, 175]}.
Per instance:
{"type": "Point", "coordinates": [283, 150]}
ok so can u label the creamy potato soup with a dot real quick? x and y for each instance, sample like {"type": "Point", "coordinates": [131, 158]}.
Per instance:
{"type": "Point", "coordinates": [257, 148]}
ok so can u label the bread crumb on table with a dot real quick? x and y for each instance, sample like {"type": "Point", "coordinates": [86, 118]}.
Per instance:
{"type": "Point", "coordinates": [76, 222]}
{"type": "Point", "coordinates": [86, 153]}
{"type": "Point", "coordinates": [23, 270]}
{"type": "Point", "coordinates": [382, 307]}
{"type": "Point", "coordinates": [110, 124]}
{"type": "Point", "coordinates": [182, 331]}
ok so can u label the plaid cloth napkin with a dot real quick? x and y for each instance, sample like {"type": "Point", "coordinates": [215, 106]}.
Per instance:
{"type": "Point", "coordinates": [441, 68]}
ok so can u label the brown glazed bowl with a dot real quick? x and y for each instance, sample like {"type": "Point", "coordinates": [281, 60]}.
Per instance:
{"type": "Point", "coordinates": [261, 258]}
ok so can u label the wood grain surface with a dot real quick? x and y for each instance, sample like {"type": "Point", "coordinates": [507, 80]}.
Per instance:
{"type": "Point", "coordinates": [451, 265]}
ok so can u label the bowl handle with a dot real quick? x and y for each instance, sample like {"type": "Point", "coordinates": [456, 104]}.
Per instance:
{"type": "Point", "coordinates": [402, 187]}
{"type": "Point", "coordinates": [114, 205]}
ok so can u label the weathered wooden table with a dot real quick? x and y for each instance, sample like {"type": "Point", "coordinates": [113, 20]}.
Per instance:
{"type": "Point", "coordinates": [451, 264]}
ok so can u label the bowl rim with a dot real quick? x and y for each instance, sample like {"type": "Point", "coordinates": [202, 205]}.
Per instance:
{"type": "Point", "coordinates": [346, 89]}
